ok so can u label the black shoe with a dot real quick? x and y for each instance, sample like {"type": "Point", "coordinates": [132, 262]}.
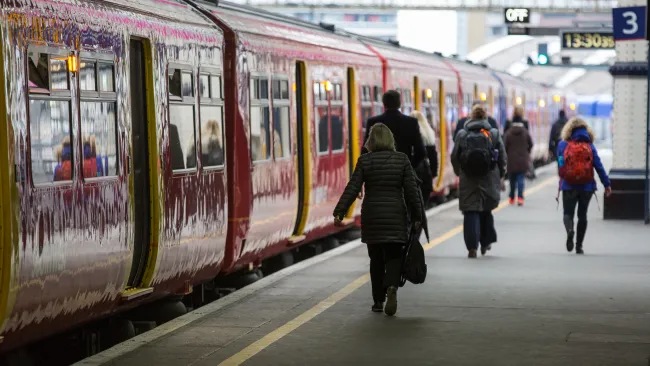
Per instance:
{"type": "Point", "coordinates": [485, 249]}
{"type": "Point", "coordinates": [472, 253]}
{"type": "Point", "coordinates": [378, 307]}
{"type": "Point", "coordinates": [391, 301]}
{"type": "Point", "coordinates": [569, 241]}
{"type": "Point", "coordinates": [579, 251]}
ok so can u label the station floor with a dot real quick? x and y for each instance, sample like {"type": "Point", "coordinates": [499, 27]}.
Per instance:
{"type": "Point", "coordinates": [528, 302]}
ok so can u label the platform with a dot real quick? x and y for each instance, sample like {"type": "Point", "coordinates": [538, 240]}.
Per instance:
{"type": "Point", "coordinates": [528, 302]}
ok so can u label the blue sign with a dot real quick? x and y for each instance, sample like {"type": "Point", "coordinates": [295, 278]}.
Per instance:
{"type": "Point", "coordinates": [630, 23]}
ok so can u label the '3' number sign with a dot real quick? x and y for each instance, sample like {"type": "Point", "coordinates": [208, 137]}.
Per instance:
{"type": "Point", "coordinates": [630, 23]}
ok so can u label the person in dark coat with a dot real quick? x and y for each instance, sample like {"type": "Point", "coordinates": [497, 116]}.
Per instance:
{"type": "Point", "coordinates": [518, 145]}
{"type": "Point", "coordinates": [556, 134]}
{"type": "Point", "coordinates": [391, 194]}
{"type": "Point", "coordinates": [517, 117]}
{"type": "Point", "coordinates": [579, 194]}
{"type": "Point", "coordinates": [404, 128]}
{"type": "Point", "coordinates": [477, 197]}
{"type": "Point", "coordinates": [461, 122]}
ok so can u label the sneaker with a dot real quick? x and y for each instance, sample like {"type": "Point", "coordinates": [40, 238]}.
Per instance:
{"type": "Point", "coordinates": [378, 307]}
{"type": "Point", "coordinates": [579, 251]}
{"type": "Point", "coordinates": [472, 253]}
{"type": "Point", "coordinates": [512, 201]}
{"type": "Point", "coordinates": [569, 241]}
{"type": "Point", "coordinates": [520, 201]}
{"type": "Point", "coordinates": [391, 301]}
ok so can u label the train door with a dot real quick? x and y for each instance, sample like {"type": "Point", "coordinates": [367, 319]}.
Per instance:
{"type": "Point", "coordinates": [141, 169]}
{"type": "Point", "coordinates": [303, 148]}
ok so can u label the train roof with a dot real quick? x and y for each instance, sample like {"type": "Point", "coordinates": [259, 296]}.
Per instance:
{"type": "Point", "coordinates": [261, 29]}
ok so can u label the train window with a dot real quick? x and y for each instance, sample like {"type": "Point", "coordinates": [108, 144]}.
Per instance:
{"type": "Point", "coordinates": [59, 73]}
{"type": "Point", "coordinates": [187, 86]}
{"type": "Point", "coordinates": [51, 141]}
{"type": "Point", "coordinates": [336, 118]}
{"type": "Point", "coordinates": [378, 94]}
{"type": "Point", "coordinates": [182, 136]}
{"type": "Point", "coordinates": [39, 73]}
{"type": "Point", "coordinates": [175, 84]}
{"type": "Point", "coordinates": [316, 92]}
{"type": "Point", "coordinates": [338, 92]}
{"type": "Point", "coordinates": [211, 121]}
{"type": "Point", "coordinates": [260, 120]}
{"type": "Point", "coordinates": [281, 132]}
{"type": "Point", "coordinates": [107, 77]}
{"type": "Point", "coordinates": [215, 87]}
{"type": "Point", "coordinates": [204, 86]}
{"type": "Point", "coordinates": [322, 118]}
{"type": "Point", "coordinates": [99, 137]}
{"type": "Point", "coordinates": [87, 75]}
{"type": "Point", "coordinates": [212, 153]}
{"type": "Point", "coordinates": [254, 88]}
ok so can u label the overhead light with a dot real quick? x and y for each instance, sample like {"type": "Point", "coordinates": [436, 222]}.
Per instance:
{"type": "Point", "coordinates": [429, 93]}
{"type": "Point", "coordinates": [518, 101]}
{"type": "Point", "coordinates": [557, 98]}
{"type": "Point", "coordinates": [483, 97]}
{"type": "Point", "coordinates": [572, 106]}
{"type": "Point", "coordinates": [542, 103]}
{"type": "Point", "coordinates": [328, 85]}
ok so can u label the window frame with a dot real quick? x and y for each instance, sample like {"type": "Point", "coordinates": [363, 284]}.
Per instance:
{"type": "Point", "coordinates": [99, 97]}
{"type": "Point", "coordinates": [336, 101]}
{"type": "Point", "coordinates": [318, 103]}
{"type": "Point", "coordinates": [257, 102]}
{"type": "Point", "coordinates": [175, 100]}
{"type": "Point", "coordinates": [51, 95]}
{"type": "Point", "coordinates": [211, 101]}
{"type": "Point", "coordinates": [280, 103]}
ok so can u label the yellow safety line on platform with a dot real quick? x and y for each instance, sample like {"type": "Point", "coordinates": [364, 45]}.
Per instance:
{"type": "Point", "coordinates": [258, 346]}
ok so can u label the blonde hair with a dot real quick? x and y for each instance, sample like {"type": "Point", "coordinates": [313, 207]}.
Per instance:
{"type": "Point", "coordinates": [381, 138]}
{"type": "Point", "coordinates": [518, 112]}
{"type": "Point", "coordinates": [478, 113]}
{"type": "Point", "coordinates": [428, 136]}
{"type": "Point", "coordinates": [573, 124]}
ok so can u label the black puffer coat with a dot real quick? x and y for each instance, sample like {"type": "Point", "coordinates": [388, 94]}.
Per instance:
{"type": "Point", "coordinates": [390, 188]}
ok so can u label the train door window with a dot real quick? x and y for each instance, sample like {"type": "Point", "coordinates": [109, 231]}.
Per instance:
{"type": "Point", "coordinates": [211, 121]}
{"type": "Point", "coordinates": [337, 118]}
{"type": "Point", "coordinates": [281, 132]}
{"type": "Point", "coordinates": [321, 116]}
{"type": "Point", "coordinates": [366, 106]}
{"type": "Point", "coordinates": [260, 119]}
{"type": "Point", "coordinates": [98, 115]}
{"type": "Point", "coordinates": [408, 100]}
{"type": "Point", "coordinates": [182, 118]}
{"type": "Point", "coordinates": [378, 105]}
{"type": "Point", "coordinates": [50, 114]}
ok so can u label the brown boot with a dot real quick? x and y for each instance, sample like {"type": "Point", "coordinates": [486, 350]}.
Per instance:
{"type": "Point", "coordinates": [472, 253]}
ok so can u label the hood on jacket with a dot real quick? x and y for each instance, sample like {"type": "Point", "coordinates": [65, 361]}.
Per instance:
{"type": "Point", "coordinates": [578, 130]}
{"type": "Point", "coordinates": [478, 124]}
{"type": "Point", "coordinates": [518, 128]}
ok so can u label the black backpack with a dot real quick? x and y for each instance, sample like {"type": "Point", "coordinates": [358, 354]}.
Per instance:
{"type": "Point", "coordinates": [414, 266]}
{"type": "Point", "coordinates": [477, 157]}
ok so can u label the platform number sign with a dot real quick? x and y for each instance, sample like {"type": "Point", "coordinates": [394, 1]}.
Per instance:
{"type": "Point", "coordinates": [630, 23]}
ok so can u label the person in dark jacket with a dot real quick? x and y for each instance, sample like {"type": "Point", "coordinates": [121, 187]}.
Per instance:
{"type": "Point", "coordinates": [428, 168]}
{"type": "Point", "coordinates": [479, 196]}
{"type": "Point", "coordinates": [556, 132]}
{"type": "Point", "coordinates": [517, 117]}
{"type": "Point", "coordinates": [404, 128]}
{"type": "Point", "coordinates": [579, 194]}
{"type": "Point", "coordinates": [461, 122]}
{"type": "Point", "coordinates": [391, 194]}
{"type": "Point", "coordinates": [518, 145]}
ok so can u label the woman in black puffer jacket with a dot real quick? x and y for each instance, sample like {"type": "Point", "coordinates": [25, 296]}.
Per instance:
{"type": "Point", "coordinates": [390, 189]}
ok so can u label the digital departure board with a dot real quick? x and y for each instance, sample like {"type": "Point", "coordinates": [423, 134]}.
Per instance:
{"type": "Point", "coordinates": [584, 40]}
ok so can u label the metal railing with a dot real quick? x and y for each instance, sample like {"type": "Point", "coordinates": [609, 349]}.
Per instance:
{"type": "Point", "coordinates": [572, 6]}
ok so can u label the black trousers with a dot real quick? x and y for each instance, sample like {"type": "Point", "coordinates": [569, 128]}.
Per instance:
{"type": "Point", "coordinates": [581, 199]}
{"type": "Point", "coordinates": [478, 227]}
{"type": "Point", "coordinates": [385, 268]}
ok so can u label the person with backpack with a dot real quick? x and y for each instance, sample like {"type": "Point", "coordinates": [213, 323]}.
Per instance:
{"type": "Point", "coordinates": [391, 194]}
{"type": "Point", "coordinates": [461, 122]}
{"type": "Point", "coordinates": [479, 159]}
{"type": "Point", "coordinates": [577, 160]}
{"type": "Point", "coordinates": [518, 145]}
{"type": "Point", "coordinates": [556, 132]}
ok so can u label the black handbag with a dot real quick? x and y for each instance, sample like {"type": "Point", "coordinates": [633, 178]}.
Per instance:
{"type": "Point", "coordinates": [414, 266]}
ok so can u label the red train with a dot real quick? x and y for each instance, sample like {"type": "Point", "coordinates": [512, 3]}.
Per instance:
{"type": "Point", "coordinates": [152, 145]}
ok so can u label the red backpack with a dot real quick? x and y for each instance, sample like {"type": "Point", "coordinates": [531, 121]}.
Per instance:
{"type": "Point", "coordinates": [578, 165]}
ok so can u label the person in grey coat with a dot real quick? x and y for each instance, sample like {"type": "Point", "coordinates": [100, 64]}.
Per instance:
{"type": "Point", "coordinates": [391, 195]}
{"type": "Point", "coordinates": [479, 196]}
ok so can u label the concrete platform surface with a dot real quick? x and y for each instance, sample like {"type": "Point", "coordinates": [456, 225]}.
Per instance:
{"type": "Point", "coordinates": [528, 302]}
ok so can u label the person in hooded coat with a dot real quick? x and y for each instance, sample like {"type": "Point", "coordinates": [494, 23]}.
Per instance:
{"type": "Point", "coordinates": [391, 195]}
{"type": "Point", "coordinates": [479, 196]}
{"type": "Point", "coordinates": [518, 145]}
{"type": "Point", "coordinates": [579, 194]}
{"type": "Point", "coordinates": [556, 132]}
